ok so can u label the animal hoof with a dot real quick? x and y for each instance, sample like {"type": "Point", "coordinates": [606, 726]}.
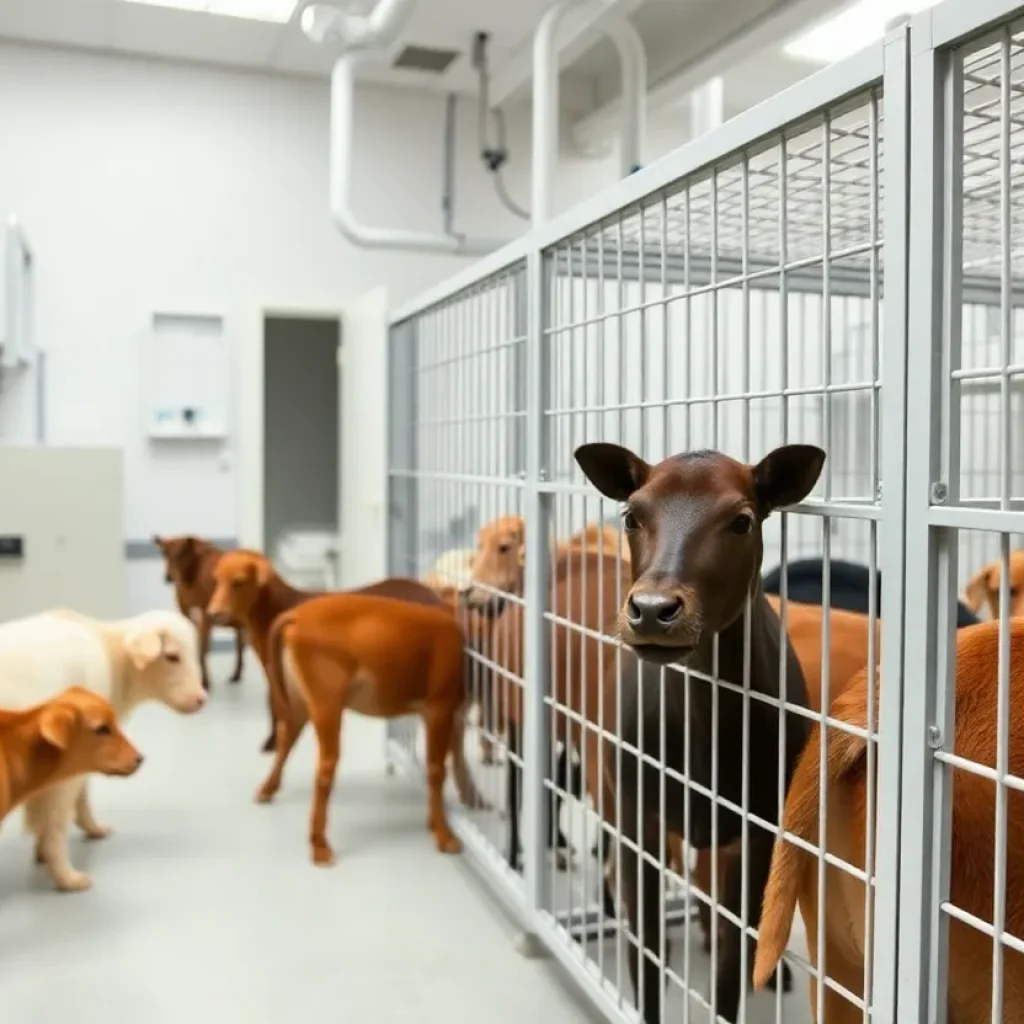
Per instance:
{"type": "Point", "coordinates": [269, 745]}
{"type": "Point", "coordinates": [99, 832]}
{"type": "Point", "coordinates": [265, 794]}
{"type": "Point", "coordinates": [77, 881]}
{"type": "Point", "coordinates": [236, 678]}
{"type": "Point", "coordinates": [323, 856]}
{"type": "Point", "coordinates": [449, 844]}
{"type": "Point", "coordinates": [563, 860]}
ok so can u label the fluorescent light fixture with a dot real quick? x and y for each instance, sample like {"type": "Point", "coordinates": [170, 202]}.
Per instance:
{"type": "Point", "coordinates": [277, 11]}
{"type": "Point", "coordinates": [851, 30]}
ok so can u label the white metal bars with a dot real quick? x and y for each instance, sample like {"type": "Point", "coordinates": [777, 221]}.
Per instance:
{"type": "Point", "coordinates": [730, 297]}
{"type": "Point", "coordinates": [963, 508]}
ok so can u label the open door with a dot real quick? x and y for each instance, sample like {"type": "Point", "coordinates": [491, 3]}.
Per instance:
{"type": "Point", "coordinates": [363, 418]}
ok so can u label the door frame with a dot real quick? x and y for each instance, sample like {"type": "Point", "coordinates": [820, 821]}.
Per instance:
{"type": "Point", "coordinates": [250, 421]}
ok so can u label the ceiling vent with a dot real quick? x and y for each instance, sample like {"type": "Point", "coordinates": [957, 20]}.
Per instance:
{"type": "Point", "coordinates": [425, 58]}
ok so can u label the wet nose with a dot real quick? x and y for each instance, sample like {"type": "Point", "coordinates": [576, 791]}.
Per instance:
{"type": "Point", "coordinates": [653, 613]}
{"type": "Point", "coordinates": [200, 700]}
{"type": "Point", "coordinates": [138, 760]}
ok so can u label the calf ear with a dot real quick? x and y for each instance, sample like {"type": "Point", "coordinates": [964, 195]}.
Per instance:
{"type": "Point", "coordinates": [143, 647]}
{"type": "Point", "coordinates": [262, 571]}
{"type": "Point", "coordinates": [976, 592]}
{"type": "Point", "coordinates": [787, 475]}
{"type": "Point", "coordinates": [615, 471]}
{"type": "Point", "coordinates": [56, 724]}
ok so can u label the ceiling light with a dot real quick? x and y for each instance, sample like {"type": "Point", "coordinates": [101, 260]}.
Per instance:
{"type": "Point", "coordinates": [277, 11]}
{"type": "Point", "coordinates": [851, 30]}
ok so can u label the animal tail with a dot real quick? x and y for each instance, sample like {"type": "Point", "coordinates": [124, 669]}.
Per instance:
{"type": "Point", "coordinates": [800, 817]}
{"type": "Point", "coordinates": [275, 664]}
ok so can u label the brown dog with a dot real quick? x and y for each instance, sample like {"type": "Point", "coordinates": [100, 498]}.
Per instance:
{"type": "Point", "coordinates": [75, 733]}
{"type": "Point", "coordinates": [984, 587]}
{"type": "Point", "coordinates": [190, 563]}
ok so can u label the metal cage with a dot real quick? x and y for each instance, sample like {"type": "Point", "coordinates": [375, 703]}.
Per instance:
{"type": "Point", "coordinates": [824, 268]}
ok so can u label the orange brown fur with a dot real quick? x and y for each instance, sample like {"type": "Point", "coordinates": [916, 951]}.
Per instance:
{"type": "Point", "coordinates": [983, 588]}
{"type": "Point", "coordinates": [793, 879]}
{"type": "Point", "coordinates": [75, 733]}
{"type": "Point", "coordinates": [378, 657]}
{"type": "Point", "coordinates": [190, 563]}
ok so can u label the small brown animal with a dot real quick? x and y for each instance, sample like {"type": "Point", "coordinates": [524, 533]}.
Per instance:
{"type": "Point", "coordinates": [376, 656]}
{"type": "Point", "coordinates": [189, 566]}
{"type": "Point", "coordinates": [248, 590]}
{"type": "Point", "coordinates": [694, 527]}
{"type": "Point", "coordinates": [984, 587]}
{"type": "Point", "coordinates": [74, 733]}
{"type": "Point", "coordinates": [793, 879]}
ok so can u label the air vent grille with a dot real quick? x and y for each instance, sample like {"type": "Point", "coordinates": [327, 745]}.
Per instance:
{"type": "Point", "coordinates": [425, 58]}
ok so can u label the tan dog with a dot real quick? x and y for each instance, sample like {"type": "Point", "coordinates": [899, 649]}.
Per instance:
{"type": "Point", "coordinates": [984, 587]}
{"type": "Point", "coordinates": [74, 733]}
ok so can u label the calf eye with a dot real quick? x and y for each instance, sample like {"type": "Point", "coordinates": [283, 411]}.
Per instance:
{"type": "Point", "coordinates": [173, 657]}
{"type": "Point", "coordinates": [504, 549]}
{"type": "Point", "coordinates": [741, 525]}
{"type": "Point", "coordinates": [630, 521]}
{"type": "Point", "coordinates": [103, 730]}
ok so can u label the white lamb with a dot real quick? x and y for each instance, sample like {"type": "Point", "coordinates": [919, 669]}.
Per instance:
{"type": "Point", "coordinates": [152, 656]}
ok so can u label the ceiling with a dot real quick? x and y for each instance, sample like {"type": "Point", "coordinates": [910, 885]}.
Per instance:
{"type": "Point", "coordinates": [673, 30]}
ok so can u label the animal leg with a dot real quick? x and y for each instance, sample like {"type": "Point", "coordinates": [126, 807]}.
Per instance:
{"type": "Point", "coordinates": [468, 793]}
{"type": "Point", "coordinates": [270, 743]}
{"type": "Point", "coordinates": [86, 820]}
{"type": "Point", "coordinates": [239, 651]}
{"type": "Point", "coordinates": [289, 729]}
{"type": "Point", "coordinates": [513, 782]}
{"type": "Point", "coordinates": [440, 722]}
{"type": "Point", "coordinates": [643, 893]}
{"type": "Point", "coordinates": [48, 816]}
{"type": "Point", "coordinates": [327, 723]}
{"type": "Point", "coordinates": [205, 626]}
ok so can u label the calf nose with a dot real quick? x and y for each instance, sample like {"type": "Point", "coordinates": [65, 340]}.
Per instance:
{"type": "Point", "coordinates": [653, 613]}
{"type": "Point", "coordinates": [138, 761]}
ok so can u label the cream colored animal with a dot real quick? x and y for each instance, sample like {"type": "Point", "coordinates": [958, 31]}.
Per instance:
{"type": "Point", "coordinates": [152, 656]}
{"type": "Point", "coordinates": [453, 568]}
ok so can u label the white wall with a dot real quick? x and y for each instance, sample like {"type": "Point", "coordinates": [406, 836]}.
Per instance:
{"type": "Point", "coordinates": [148, 185]}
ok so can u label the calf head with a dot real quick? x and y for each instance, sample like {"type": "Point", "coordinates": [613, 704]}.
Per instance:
{"type": "Point", "coordinates": [81, 726]}
{"type": "Point", "coordinates": [181, 558]}
{"type": "Point", "coordinates": [984, 587]}
{"type": "Point", "coordinates": [693, 523]}
{"type": "Point", "coordinates": [162, 653]}
{"type": "Point", "coordinates": [498, 562]}
{"type": "Point", "coordinates": [239, 576]}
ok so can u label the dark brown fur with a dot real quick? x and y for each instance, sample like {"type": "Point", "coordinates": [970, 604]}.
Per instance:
{"type": "Point", "coordinates": [693, 524]}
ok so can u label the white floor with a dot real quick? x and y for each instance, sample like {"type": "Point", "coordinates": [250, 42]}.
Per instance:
{"type": "Point", "coordinates": [205, 908]}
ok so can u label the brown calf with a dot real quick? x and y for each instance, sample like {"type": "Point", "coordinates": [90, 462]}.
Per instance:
{"type": "Point", "coordinates": [693, 523]}
{"type": "Point", "coordinates": [75, 733]}
{"type": "Point", "coordinates": [376, 656]}
{"type": "Point", "coordinates": [984, 587]}
{"type": "Point", "coordinates": [794, 874]}
{"type": "Point", "coordinates": [189, 565]}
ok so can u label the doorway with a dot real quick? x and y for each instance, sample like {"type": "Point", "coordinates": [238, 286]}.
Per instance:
{"type": "Point", "coordinates": [301, 451]}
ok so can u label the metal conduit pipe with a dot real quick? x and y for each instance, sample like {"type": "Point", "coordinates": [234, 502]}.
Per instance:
{"type": "Point", "coordinates": [357, 34]}
{"type": "Point", "coordinates": [546, 100]}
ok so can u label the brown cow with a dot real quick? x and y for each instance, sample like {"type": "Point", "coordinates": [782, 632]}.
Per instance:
{"type": "Point", "coordinates": [249, 590]}
{"type": "Point", "coordinates": [189, 565]}
{"type": "Point", "coordinates": [694, 522]}
{"type": "Point", "coordinates": [379, 657]}
{"type": "Point", "coordinates": [794, 873]}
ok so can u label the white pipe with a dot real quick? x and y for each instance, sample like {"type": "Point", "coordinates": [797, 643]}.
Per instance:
{"type": "Point", "coordinates": [546, 102]}
{"type": "Point", "coordinates": [342, 155]}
